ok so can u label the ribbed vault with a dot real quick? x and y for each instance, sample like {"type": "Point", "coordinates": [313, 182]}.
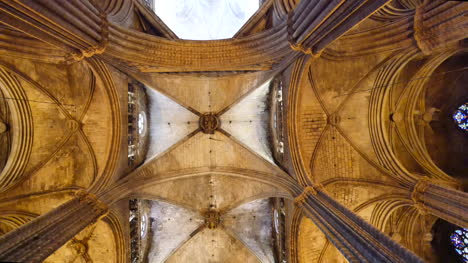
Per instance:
{"type": "Point", "coordinates": [320, 132]}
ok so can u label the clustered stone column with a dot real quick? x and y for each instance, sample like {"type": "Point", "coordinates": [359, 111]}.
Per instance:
{"type": "Point", "coordinates": [356, 239]}
{"type": "Point", "coordinates": [314, 24]}
{"type": "Point", "coordinates": [39, 238]}
{"type": "Point", "coordinates": [74, 26]}
{"type": "Point", "coordinates": [437, 23]}
{"type": "Point", "coordinates": [443, 202]}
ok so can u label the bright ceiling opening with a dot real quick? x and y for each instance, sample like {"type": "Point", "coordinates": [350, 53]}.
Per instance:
{"type": "Point", "coordinates": [205, 19]}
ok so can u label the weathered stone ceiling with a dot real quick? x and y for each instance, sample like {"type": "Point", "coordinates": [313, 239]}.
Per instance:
{"type": "Point", "coordinates": [96, 243]}
{"type": "Point", "coordinates": [205, 93]}
{"type": "Point", "coordinates": [173, 227]}
{"type": "Point", "coordinates": [335, 125]}
{"type": "Point", "coordinates": [180, 234]}
{"type": "Point", "coordinates": [314, 247]}
{"type": "Point", "coordinates": [72, 126]}
{"type": "Point", "coordinates": [71, 120]}
{"type": "Point", "coordinates": [201, 248]}
{"type": "Point", "coordinates": [167, 120]}
{"type": "Point", "coordinates": [249, 121]}
{"type": "Point", "coordinates": [252, 223]}
{"type": "Point", "coordinates": [178, 146]}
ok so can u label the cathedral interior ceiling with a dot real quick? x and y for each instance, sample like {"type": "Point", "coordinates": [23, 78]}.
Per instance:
{"type": "Point", "coordinates": [313, 245]}
{"type": "Point", "coordinates": [168, 120]}
{"type": "Point", "coordinates": [178, 147]}
{"type": "Point", "coordinates": [177, 230]}
{"type": "Point", "coordinates": [67, 110]}
{"type": "Point", "coordinates": [368, 112]}
{"type": "Point", "coordinates": [335, 134]}
{"type": "Point", "coordinates": [95, 243]}
{"type": "Point", "coordinates": [243, 112]}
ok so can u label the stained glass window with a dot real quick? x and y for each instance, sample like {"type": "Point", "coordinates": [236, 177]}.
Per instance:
{"type": "Point", "coordinates": [460, 242]}
{"type": "Point", "coordinates": [461, 117]}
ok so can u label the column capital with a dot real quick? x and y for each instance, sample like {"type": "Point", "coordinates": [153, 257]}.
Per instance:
{"type": "Point", "coordinates": [419, 189]}
{"type": "Point", "coordinates": [422, 35]}
{"type": "Point", "coordinates": [417, 195]}
{"type": "Point", "coordinates": [99, 47]}
{"type": "Point", "coordinates": [300, 48]}
{"type": "Point", "coordinates": [308, 191]}
{"type": "Point", "coordinates": [98, 205]}
{"type": "Point", "coordinates": [430, 196]}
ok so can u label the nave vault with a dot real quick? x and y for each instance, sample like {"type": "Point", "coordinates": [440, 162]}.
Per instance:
{"type": "Point", "coordinates": [226, 131]}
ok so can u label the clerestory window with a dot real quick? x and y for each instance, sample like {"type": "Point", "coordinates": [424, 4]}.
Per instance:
{"type": "Point", "coordinates": [460, 242]}
{"type": "Point", "coordinates": [461, 117]}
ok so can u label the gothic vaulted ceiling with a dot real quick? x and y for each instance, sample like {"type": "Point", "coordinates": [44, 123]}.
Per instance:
{"type": "Point", "coordinates": [198, 147]}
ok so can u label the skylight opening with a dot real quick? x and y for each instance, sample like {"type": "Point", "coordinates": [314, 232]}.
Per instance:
{"type": "Point", "coordinates": [205, 19]}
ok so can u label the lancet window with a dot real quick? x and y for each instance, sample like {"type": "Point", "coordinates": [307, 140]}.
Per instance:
{"type": "Point", "coordinates": [137, 123]}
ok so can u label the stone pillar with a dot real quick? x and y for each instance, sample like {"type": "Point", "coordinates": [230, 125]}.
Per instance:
{"type": "Point", "coordinates": [39, 238]}
{"type": "Point", "coordinates": [314, 24]}
{"type": "Point", "coordinates": [439, 23]}
{"type": "Point", "coordinates": [356, 239]}
{"type": "Point", "coordinates": [74, 26]}
{"type": "Point", "coordinates": [443, 202]}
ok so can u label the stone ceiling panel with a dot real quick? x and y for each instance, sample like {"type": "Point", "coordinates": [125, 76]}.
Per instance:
{"type": "Point", "coordinates": [95, 243]}
{"type": "Point", "coordinates": [336, 159]}
{"type": "Point", "coordinates": [173, 225]}
{"type": "Point", "coordinates": [96, 125]}
{"type": "Point", "coordinates": [213, 245]}
{"type": "Point", "coordinates": [50, 126]}
{"type": "Point", "coordinates": [253, 224]}
{"type": "Point", "coordinates": [334, 88]}
{"type": "Point", "coordinates": [209, 152]}
{"type": "Point", "coordinates": [74, 162]}
{"type": "Point", "coordinates": [311, 242]}
{"type": "Point", "coordinates": [312, 121]}
{"type": "Point", "coordinates": [205, 93]}
{"type": "Point", "coordinates": [249, 121]}
{"type": "Point", "coordinates": [314, 247]}
{"type": "Point", "coordinates": [354, 118]}
{"type": "Point", "coordinates": [214, 191]}
{"type": "Point", "coordinates": [169, 122]}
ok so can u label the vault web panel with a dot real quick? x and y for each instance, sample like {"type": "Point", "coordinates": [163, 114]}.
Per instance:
{"type": "Point", "coordinates": [253, 224]}
{"type": "Point", "coordinates": [169, 122]}
{"type": "Point", "coordinates": [249, 121]}
{"type": "Point", "coordinates": [172, 226]}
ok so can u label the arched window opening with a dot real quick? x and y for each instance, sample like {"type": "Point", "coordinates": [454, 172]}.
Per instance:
{"type": "Point", "coordinates": [279, 234]}
{"type": "Point", "coordinates": [5, 134]}
{"type": "Point", "coordinates": [140, 229]}
{"type": "Point", "coordinates": [460, 242]}
{"type": "Point", "coordinates": [277, 110]}
{"type": "Point", "coordinates": [143, 226]}
{"type": "Point", "coordinates": [137, 124]}
{"type": "Point", "coordinates": [461, 117]}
